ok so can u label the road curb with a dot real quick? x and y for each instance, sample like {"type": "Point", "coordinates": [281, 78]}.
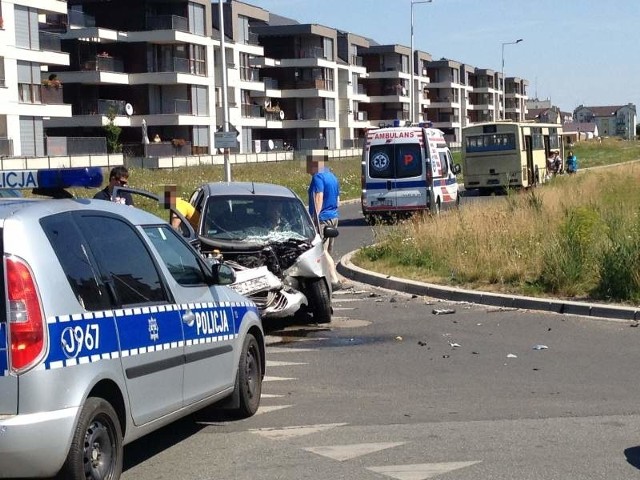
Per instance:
{"type": "Point", "coordinates": [353, 272]}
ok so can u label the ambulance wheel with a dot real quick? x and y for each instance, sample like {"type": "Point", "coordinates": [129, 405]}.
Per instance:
{"type": "Point", "coordinates": [249, 378]}
{"type": "Point", "coordinates": [319, 300]}
{"type": "Point", "coordinates": [437, 208]}
{"type": "Point", "coordinates": [96, 447]}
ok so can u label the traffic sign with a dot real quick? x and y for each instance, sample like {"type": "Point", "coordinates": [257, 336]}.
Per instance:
{"type": "Point", "coordinates": [225, 139]}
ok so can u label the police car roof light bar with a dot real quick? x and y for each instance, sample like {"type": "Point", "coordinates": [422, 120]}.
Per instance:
{"type": "Point", "coordinates": [59, 178]}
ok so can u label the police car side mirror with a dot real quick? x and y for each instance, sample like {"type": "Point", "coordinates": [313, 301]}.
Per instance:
{"type": "Point", "coordinates": [330, 232]}
{"type": "Point", "coordinates": [456, 169]}
{"type": "Point", "coordinates": [222, 274]}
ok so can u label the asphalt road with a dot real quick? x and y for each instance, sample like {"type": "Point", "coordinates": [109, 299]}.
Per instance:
{"type": "Point", "coordinates": [392, 390]}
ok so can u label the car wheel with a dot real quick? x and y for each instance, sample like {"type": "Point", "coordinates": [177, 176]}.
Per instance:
{"type": "Point", "coordinates": [96, 447]}
{"type": "Point", "coordinates": [249, 378]}
{"type": "Point", "coordinates": [320, 301]}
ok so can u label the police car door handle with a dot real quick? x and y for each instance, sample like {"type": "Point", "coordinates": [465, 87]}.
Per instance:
{"type": "Point", "coordinates": [188, 317]}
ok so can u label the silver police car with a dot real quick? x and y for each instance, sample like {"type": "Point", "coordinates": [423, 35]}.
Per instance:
{"type": "Point", "coordinates": [111, 326]}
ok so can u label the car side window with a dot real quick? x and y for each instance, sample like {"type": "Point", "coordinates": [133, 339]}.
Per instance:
{"type": "Point", "coordinates": [76, 261]}
{"type": "Point", "coordinates": [181, 261]}
{"type": "Point", "coordinates": [123, 257]}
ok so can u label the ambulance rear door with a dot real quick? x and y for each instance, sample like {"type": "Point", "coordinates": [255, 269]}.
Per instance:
{"type": "Point", "coordinates": [396, 176]}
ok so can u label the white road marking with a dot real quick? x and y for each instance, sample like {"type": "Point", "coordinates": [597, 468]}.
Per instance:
{"type": "Point", "coordinates": [420, 471]}
{"type": "Point", "coordinates": [276, 363]}
{"type": "Point", "coordinates": [273, 408]}
{"type": "Point", "coordinates": [347, 452]}
{"type": "Point", "coordinates": [345, 300]}
{"type": "Point", "coordinates": [277, 379]}
{"type": "Point", "coordinates": [337, 309]}
{"type": "Point", "coordinates": [290, 432]}
{"type": "Point", "coordinates": [270, 395]}
{"type": "Point", "coordinates": [288, 350]}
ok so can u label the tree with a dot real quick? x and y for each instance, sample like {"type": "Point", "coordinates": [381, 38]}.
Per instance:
{"type": "Point", "coordinates": [112, 132]}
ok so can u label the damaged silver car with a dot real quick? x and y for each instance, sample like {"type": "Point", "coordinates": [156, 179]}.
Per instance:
{"type": "Point", "coordinates": [265, 232]}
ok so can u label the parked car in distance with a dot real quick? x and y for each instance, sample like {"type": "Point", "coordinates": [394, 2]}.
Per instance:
{"type": "Point", "coordinates": [111, 326]}
{"type": "Point", "coordinates": [266, 233]}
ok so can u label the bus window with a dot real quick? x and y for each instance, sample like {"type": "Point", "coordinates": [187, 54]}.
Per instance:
{"type": "Point", "coordinates": [490, 142]}
{"type": "Point", "coordinates": [444, 161]}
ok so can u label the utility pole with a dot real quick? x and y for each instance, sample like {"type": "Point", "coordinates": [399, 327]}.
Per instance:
{"type": "Point", "coordinates": [225, 100]}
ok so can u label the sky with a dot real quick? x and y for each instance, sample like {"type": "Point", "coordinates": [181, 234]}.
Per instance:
{"type": "Point", "coordinates": [574, 52]}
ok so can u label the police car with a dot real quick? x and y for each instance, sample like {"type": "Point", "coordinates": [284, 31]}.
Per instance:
{"type": "Point", "coordinates": [111, 326]}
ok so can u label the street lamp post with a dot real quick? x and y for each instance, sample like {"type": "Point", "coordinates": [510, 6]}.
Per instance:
{"type": "Point", "coordinates": [412, 106]}
{"type": "Point", "coordinates": [504, 88]}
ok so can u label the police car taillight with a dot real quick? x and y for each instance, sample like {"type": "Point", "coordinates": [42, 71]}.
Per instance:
{"type": "Point", "coordinates": [26, 323]}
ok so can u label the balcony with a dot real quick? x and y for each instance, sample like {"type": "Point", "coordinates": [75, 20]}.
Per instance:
{"type": "Point", "coordinates": [49, 41]}
{"type": "Point", "coordinates": [311, 52]}
{"type": "Point", "coordinates": [252, 111]}
{"type": "Point", "coordinates": [315, 114]}
{"type": "Point", "coordinates": [6, 147]}
{"type": "Point", "coordinates": [102, 63]}
{"type": "Point", "coordinates": [248, 74]}
{"type": "Point", "coordinates": [177, 107]}
{"type": "Point", "coordinates": [167, 22]}
{"type": "Point", "coordinates": [79, 19]}
{"type": "Point", "coordinates": [104, 107]}
{"type": "Point", "coordinates": [317, 84]}
{"type": "Point", "coordinates": [270, 83]}
{"type": "Point", "coordinates": [51, 95]}
{"type": "Point", "coordinates": [175, 65]}
{"type": "Point", "coordinates": [357, 61]}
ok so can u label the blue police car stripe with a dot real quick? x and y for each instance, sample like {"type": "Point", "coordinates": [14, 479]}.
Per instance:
{"type": "Point", "coordinates": [94, 336]}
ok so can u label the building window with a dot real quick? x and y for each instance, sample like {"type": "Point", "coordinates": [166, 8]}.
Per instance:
{"type": "Point", "coordinates": [198, 59]}
{"type": "Point", "coordinates": [27, 32]}
{"type": "Point", "coordinates": [243, 29]}
{"type": "Point", "coordinates": [29, 82]}
{"type": "Point", "coordinates": [196, 19]}
{"type": "Point", "coordinates": [2, 78]}
{"type": "Point", "coordinates": [328, 48]}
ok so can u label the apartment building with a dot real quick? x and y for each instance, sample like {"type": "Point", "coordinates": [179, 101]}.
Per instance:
{"type": "Point", "coordinates": [27, 51]}
{"type": "Point", "coordinates": [352, 91]}
{"type": "Point", "coordinates": [515, 98]}
{"type": "Point", "coordinates": [157, 73]}
{"type": "Point", "coordinates": [613, 120]}
{"type": "Point", "coordinates": [147, 72]}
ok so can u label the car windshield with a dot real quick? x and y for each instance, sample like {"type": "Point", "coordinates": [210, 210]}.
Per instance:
{"type": "Point", "coordinates": [256, 219]}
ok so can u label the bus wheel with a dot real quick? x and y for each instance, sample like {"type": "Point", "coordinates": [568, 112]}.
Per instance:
{"type": "Point", "coordinates": [370, 219]}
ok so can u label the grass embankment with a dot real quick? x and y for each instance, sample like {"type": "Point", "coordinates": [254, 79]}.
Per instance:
{"type": "Point", "coordinates": [292, 174]}
{"type": "Point", "coordinates": [577, 236]}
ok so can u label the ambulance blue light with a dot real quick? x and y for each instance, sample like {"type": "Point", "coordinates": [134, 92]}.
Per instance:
{"type": "Point", "coordinates": [89, 177]}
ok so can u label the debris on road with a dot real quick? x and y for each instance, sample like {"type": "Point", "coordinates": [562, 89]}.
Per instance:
{"type": "Point", "coordinates": [421, 343]}
{"type": "Point", "coordinates": [443, 311]}
{"type": "Point", "coordinates": [540, 347]}
{"type": "Point", "coordinates": [511, 355]}
{"type": "Point", "coordinates": [399, 338]}
{"type": "Point", "coordinates": [454, 345]}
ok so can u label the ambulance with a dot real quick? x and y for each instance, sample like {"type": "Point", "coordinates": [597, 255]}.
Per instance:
{"type": "Point", "coordinates": [407, 170]}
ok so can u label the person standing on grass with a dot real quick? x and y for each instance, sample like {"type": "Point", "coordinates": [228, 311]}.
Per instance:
{"type": "Point", "coordinates": [572, 163]}
{"type": "Point", "coordinates": [119, 176]}
{"type": "Point", "coordinates": [324, 197]}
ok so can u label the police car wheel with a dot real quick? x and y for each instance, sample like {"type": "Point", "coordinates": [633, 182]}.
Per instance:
{"type": "Point", "coordinates": [96, 448]}
{"type": "Point", "coordinates": [320, 301]}
{"type": "Point", "coordinates": [249, 378]}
